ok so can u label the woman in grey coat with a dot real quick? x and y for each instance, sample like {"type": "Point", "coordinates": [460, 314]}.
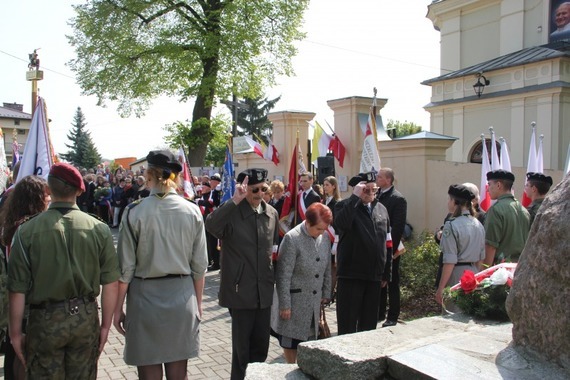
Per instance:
{"type": "Point", "coordinates": [303, 280]}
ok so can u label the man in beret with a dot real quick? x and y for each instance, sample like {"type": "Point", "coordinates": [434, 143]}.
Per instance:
{"type": "Point", "coordinates": [507, 222]}
{"type": "Point", "coordinates": [248, 228]}
{"type": "Point", "coordinates": [363, 261]}
{"type": "Point", "coordinates": [59, 261]}
{"type": "Point", "coordinates": [536, 187]}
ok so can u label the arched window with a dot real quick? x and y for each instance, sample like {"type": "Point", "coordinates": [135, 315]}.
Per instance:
{"type": "Point", "coordinates": [477, 151]}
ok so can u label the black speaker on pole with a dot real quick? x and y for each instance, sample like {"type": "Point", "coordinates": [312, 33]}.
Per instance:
{"type": "Point", "coordinates": [326, 167]}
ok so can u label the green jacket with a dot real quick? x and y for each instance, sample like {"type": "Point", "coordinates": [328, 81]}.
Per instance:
{"type": "Point", "coordinates": [60, 254]}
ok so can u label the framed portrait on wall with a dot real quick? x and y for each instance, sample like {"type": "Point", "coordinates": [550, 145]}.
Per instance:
{"type": "Point", "coordinates": [342, 183]}
{"type": "Point", "coordinates": [559, 26]}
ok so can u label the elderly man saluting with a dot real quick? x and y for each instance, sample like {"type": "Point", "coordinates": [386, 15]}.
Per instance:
{"type": "Point", "coordinates": [248, 229]}
{"type": "Point", "coordinates": [363, 261]}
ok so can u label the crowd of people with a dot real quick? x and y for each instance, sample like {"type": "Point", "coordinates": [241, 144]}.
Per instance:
{"type": "Point", "coordinates": [274, 276]}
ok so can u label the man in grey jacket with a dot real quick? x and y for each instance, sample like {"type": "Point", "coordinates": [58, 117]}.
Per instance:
{"type": "Point", "coordinates": [248, 229]}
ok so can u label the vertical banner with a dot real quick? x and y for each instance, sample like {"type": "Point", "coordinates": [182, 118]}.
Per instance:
{"type": "Point", "coordinates": [228, 183]}
{"type": "Point", "coordinates": [38, 154]}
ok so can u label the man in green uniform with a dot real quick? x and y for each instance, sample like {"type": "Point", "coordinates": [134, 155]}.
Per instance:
{"type": "Point", "coordinates": [507, 222]}
{"type": "Point", "coordinates": [536, 187]}
{"type": "Point", "coordinates": [58, 262]}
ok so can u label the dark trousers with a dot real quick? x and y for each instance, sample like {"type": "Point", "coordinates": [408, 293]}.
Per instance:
{"type": "Point", "coordinates": [357, 305]}
{"type": "Point", "coordinates": [250, 338]}
{"type": "Point", "coordinates": [390, 295]}
{"type": "Point", "coordinates": [213, 253]}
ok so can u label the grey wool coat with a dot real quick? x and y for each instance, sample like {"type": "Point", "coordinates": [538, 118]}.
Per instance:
{"type": "Point", "coordinates": [303, 278]}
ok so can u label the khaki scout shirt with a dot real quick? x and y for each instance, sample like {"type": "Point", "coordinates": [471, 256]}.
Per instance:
{"type": "Point", "coordinates": [506, 228]}
{"type": "Point", "coordinates": [60, 254]}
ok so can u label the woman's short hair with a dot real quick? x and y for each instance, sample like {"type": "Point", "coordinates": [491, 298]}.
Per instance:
{"type": "Point", "coordinates": [318, 212]}
{"type": "Point", "coordinates": [276, 186]}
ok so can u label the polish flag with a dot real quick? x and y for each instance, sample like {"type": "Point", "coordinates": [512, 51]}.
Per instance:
{"type": "Point", "coordinates": [271, 153]}
{"type": "Point", "coordinates": [485, 198]}
{"type": "Point", "coordinates": [532, 165]}
{"type": "Point", "coordinates": [257, 148]}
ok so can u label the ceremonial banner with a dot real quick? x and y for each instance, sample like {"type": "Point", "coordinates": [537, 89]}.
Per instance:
{"type": "Point", "coordinates": [228, 184]}
{"type": "Point", "coordinates": [187, 183]}
{"type": "Point", "coordinates": [484, 198]}
{"type": "Point", "coordinates": [38, 154]}
{"type": "Point", "coordinates": [370, 159]}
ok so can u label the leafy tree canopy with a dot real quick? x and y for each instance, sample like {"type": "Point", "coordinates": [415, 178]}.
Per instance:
{"type": "Point", "coordinates": [178, 132]}
{"type": "Point", "coordinates": [398, 128]}
{"type": "Point", "coordinates": [131, 51]}
{"type": "Point", "coordinates": [82, 151]}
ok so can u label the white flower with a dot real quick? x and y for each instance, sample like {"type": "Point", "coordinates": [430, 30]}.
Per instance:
{"type": "Point", "coordinates": [500, 277]}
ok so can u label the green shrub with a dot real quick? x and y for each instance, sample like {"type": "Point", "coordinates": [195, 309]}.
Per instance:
{"type": "Point", "coordinates": [418, 267]}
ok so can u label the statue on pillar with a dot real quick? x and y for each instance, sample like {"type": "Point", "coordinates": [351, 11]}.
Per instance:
{"type": "Point", "coordinates": [34, 60]}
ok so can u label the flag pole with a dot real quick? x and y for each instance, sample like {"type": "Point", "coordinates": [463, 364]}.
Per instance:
{"type": "Point", "coordinates": [295, 185]}
{"type": "Point", "coordinates": [189, 168]}
{"type": "Point", "coordinates": [332, 130]}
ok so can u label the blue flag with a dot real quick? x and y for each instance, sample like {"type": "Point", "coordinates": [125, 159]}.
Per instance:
{"type": "Point", "coordinates": [228, 184]}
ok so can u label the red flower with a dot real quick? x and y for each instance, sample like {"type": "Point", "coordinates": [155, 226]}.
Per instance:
{"type": "Point", "coordinates": [468, 282]}
{"type": "Point", "coordinates": [509, 282]}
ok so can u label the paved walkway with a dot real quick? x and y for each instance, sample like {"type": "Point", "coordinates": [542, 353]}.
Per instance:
{"type": "Point", "coordinates": [216, 345]}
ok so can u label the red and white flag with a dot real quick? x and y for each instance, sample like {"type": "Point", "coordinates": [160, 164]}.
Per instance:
{"type": "Point", "coordinates": [370, 159]}
{"type": "Point", "coordinates": [532, 164]}
{"type": "Point", "coordinates": [257, 148]}
{"type": "Point", "coordinates": [38, 156]}
{"type": "Point", "coordinates": [338, 150]}
{"type": "Point", "coordinates": [485, 198]}
{"type": "Point", "coordinates": [539, 156]}
{"type": "Point", "coordinates": [271, 153]}
{"type": "Point", "coordinates": [187, 183]}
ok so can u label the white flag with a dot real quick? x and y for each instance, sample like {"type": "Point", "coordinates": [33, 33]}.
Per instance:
{"type": "Point", "coordinates": [4, 171]}
{"type": "Point", "coordinates": [539, 156]}
{"type": "Point", "coordinates": [505, 158]}
{"type": "Point", "coordinates": [370, 159]}
{"type": "Point", "coordinates": [495, 163]}
{"type": "Point", "coordinates": [38, 154]}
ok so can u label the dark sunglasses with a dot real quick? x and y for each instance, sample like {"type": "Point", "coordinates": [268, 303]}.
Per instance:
{"type": "Point", "coordinates": [368, 190]}
{"type": "Point", "coordinates": [263, 189]}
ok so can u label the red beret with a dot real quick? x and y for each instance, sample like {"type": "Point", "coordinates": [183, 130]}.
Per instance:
{"type": "Point", "coordinates": [68, 174]}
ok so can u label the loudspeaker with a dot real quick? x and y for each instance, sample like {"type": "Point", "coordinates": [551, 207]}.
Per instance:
{"type": "Point", "coordinates": [326, 167]}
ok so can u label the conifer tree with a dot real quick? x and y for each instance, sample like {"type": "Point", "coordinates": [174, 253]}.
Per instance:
{"type": "Point", "coordinates": [82, 152]}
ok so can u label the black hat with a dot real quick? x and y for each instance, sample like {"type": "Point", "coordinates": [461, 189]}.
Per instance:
{"type": "Point", "coordinates": [255, 175]}
{"type": "Point", "coordinates": [539, 177]}
{"type": "Point", "coordinates": [164, 159]}
{"type": "Point", "coordinates": [362, 177]}
{"type": "Point", "coordinates": [461, 192]}
{"type": "Point", "coordinates": [500, 174]}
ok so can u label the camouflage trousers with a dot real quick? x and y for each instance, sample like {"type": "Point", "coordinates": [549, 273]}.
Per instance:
{"type": "Point", "coordinates": [63, 345]}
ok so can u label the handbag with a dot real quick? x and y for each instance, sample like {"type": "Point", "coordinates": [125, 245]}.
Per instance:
{"type": "Point", "coordinates": [324, 331]}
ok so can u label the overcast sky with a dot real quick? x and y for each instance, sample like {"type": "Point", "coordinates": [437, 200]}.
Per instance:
{"type": "Point", "coordinates": [351, 47]}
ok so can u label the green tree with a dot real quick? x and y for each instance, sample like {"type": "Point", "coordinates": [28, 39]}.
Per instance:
{"type": "Point", "coordinates": [253, 120]}
{"type": "Point", "coordinates": [398, 128]}
{"type": "Point", "coordinates": [216, 152]}
{"type": "Point", "coordinates": [131, 51]}
{"type": "Point", "coordinates": [82, 153]}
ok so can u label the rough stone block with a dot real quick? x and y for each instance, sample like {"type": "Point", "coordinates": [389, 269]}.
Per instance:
{"type": "Point", "coordinates": [539, 300]}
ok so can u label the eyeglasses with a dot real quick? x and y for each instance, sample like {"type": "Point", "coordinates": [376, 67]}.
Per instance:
{"type": "Point", "coordinates": [263, 189]}
{"type": "Point", "coordinates": [370, 190]}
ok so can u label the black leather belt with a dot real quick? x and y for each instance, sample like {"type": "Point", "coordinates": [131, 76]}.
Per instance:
{"type": "Point", "coordinates": [463, 264]}
{"type": "Point", "coordinates": [162, 277]}
{"type": "Point", "coordinates": [72, 303]}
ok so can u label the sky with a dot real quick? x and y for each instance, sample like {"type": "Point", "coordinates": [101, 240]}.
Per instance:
{"type": "Point", "coordinates": [350, 48]}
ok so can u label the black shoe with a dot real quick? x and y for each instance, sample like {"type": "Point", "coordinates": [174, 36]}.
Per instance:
{"type": "Point", "coordinates": [213, 267]}
{"type": "Point", "coordinates": [389, 323]}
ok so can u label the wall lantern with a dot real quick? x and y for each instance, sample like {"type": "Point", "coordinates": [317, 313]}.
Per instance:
{"type": "Point", "coordinates": [480, 85]}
